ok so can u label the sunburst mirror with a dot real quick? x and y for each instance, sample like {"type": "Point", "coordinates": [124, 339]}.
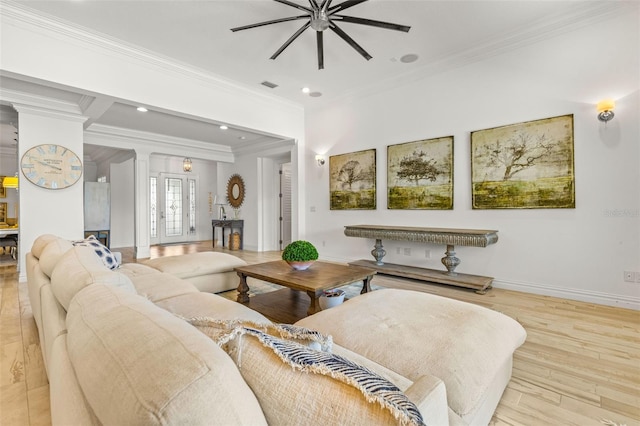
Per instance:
{"type": "Point", "coordinates": [235, 191]}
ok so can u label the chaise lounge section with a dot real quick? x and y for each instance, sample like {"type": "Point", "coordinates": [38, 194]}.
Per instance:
{"type": "Point", "coordinates": [470, 348]}
{"type": "Point", "coordinates": [208, 271]}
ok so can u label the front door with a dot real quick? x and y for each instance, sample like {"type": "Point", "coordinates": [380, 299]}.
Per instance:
{"type": "Point", "coordinates": [175, 209]}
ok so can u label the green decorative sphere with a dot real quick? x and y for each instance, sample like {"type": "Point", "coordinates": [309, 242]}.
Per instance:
{"type": "Point", "coordinates": [300, 251]}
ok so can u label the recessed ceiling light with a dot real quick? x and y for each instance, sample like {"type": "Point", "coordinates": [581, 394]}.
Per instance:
{"type": "Point", "coordinates": [223, 127]}
{"type": "Point", "coordinates": [305, 90]}
{"type": "Point", "coordinates": [242, 137]}
{"type": "Point", "coordinates": [408, 58]}
{"type": "Point", "coordinates": [142, 109]}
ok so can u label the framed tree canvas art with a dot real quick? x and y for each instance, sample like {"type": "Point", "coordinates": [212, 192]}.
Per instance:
{"type": "Point", "coordinates": [524, 166]}
{"type": "Point", "coordinates": [352, 181]}
{"type": "Point", "coordinates": [420, 175]}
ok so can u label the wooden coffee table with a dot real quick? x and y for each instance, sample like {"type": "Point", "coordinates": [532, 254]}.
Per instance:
{"type": "Point", "coordinates": [314, 281]}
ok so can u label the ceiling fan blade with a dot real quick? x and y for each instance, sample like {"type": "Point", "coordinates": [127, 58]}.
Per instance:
{"type": "Point", "coordinates": [350, 41]}
{"type": "Point", "coordinates": [325, 5]}
{"type": "Point", "coordinates": [291, 39]}
{"type": "Point", "coordinates": [275, 21]}
{"type": "Point", "coordinates": [344, 5]}
{"type": "Point", "coordinates": [371, 22]}
{"type": "Point", "coordinates": [320, 43]}
{"type": "Point", "coordinates": [297, 6]}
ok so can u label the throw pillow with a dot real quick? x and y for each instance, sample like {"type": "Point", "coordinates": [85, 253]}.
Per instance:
{"type": "Point", "coordinates": [108, 258]}
{"type": "Point", "coordinates": [292, 380]}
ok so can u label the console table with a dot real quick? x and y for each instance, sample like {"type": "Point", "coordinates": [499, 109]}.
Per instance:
{"type": "Point", "coordinates": [231, 224]}
{"type": "Point", "coordinates": [447, 236]}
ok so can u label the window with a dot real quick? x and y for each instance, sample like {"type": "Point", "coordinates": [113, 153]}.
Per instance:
{"type": "Point", "coordinates": [153, 207]}
{"type": "Point", "coordinates": [173, 207]}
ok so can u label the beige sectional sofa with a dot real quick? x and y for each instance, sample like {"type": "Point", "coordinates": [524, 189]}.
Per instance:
{"type": "Point", "coordinates": [118, 350]}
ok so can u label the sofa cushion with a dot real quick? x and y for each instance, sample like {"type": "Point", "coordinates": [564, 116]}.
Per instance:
{"type": "Point", "coordinates": [105, 255]}
{"type": "Point", "coordinates": [52, 253]}
{"type": "Point", "coordinates": [136, 269]}
{"type": "Point", "coordinates": [293, 382]}
{"type": "Point", "coordinates": [40, 243]}
{"type": "Point", "coordinates": [157, 287]}
{"type": "Point", "coordinates": [80, 267]}
{"type": "Point", "coordinates": [138, 364]}
{"type": "Point", "coordinates": [210, 305]}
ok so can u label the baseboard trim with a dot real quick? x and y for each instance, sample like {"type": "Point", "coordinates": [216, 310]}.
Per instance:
{"type": "Point", "coordinates": [608, 299]}
{"type": "Point", "coordinates": [587, 296]}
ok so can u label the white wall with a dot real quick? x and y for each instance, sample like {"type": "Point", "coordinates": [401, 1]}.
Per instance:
{"type": "Point", "coordinates": [259, 170]}
{"type": "Point", "coordinates": [46, 211]}
{"type": "Point", "coordinates": [576, 253]}
{"type": "Point", "coordinates": [122, 210]}
{"type": "Point", "coordinates": [247, 168]}
{"type": "Point", "coordinates": [89, 171]}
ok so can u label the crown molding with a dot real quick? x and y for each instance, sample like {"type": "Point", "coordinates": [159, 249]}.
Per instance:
{"type": "Point", "coordinates": [263, 146]}
{"type": "Point", "coordinates": [85, 102]}
{"type": "Point", "coordinates": [582, 14]}
{"type": "Point", "coordinates": [116, 137]}
{"type": "Point", "coordinates": [109, 155]}
{"type": "Point", "coordinates": [26, 102]}
{"type": "Point", "coordinates": [31, 19]}
{"type": "Point", "coordinates": [44, 112]}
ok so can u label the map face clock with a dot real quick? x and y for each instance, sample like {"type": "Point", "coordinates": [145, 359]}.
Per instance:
{"type": "Point", "coordinates": [51, 166]}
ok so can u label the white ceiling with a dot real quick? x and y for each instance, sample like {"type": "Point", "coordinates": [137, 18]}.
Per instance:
{"type": "Point", "coordinates": [443, 34]}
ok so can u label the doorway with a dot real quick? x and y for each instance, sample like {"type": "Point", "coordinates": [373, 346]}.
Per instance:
{"type": "Point", "coordinates": [173, 210]}
{"type": "Point", "coordinates": [285, 205]}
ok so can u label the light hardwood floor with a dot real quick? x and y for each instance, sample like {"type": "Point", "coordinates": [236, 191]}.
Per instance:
{"type": "Point", "coordinates": [579, 366]}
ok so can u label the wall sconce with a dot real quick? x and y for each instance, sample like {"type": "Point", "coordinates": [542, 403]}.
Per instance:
{"type": "Point", "coordinates": [186, 164]}
{"type": "Point", "coordinates": [10, 182]}
{"type": "Point", "coordinates": [320, 160]}
{"type": "Point", "coordinates": [605, 110]}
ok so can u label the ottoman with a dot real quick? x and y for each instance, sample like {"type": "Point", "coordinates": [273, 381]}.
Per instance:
{"type": "Point", "coordinates": [468, 347]}
{"type": "Point", "coordinates": [207, 271]}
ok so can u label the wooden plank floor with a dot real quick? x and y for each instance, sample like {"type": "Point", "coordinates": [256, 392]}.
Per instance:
{"type": "Point", "coordinates": [579, 366]}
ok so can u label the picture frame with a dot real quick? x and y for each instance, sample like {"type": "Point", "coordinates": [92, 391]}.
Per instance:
{"type": "Point", "coordinates": [3, 190]}
{"type": "Point", "coordinates": [420, 175]}
{"type": "Point", "coordinates": [352, 180]}
{"type": "Point", "coordinates": [527, 165]}
{"type": "Point", "coordinates": [3, 213]}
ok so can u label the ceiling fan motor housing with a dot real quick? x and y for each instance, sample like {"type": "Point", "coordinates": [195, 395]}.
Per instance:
{"type": "Point", "coordinates": [319, 20]}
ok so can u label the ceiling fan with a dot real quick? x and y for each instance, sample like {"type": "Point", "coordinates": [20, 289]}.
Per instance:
{"type": "Point", "coordinates": [322, 16]}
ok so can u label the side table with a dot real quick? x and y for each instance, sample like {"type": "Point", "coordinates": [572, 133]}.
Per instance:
{"type": "Point", "coordinates": [231, 225]}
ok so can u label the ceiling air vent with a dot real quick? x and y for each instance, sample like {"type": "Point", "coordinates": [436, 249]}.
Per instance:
{"type": "Point", "coordinates": [269, 84]}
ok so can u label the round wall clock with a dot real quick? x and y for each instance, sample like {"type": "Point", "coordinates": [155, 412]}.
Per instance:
{"type": "Point", "coordinates": [51, 166]}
